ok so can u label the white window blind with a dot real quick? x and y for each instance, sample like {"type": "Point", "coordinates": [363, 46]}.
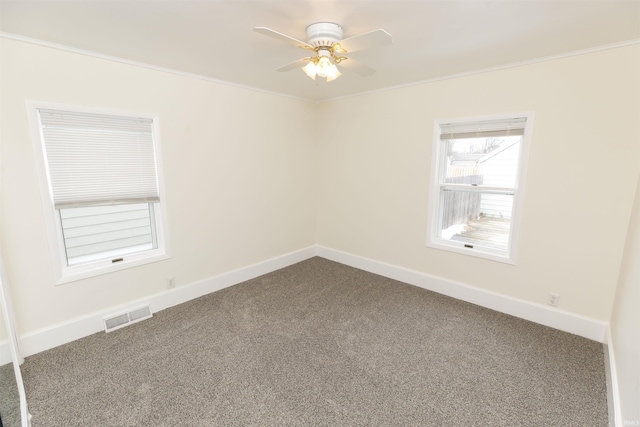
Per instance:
{"type": "Point", "coordinates": [483, 129]}
{"type": "Point", "coordinates": [98, 159]}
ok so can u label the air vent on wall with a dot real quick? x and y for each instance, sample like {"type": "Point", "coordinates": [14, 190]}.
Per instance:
{"type": "Point", "coordinates": [120, 320]}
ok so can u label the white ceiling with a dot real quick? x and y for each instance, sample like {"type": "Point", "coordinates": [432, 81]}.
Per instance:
{"type": "Point", "coordinates": [431, 39]}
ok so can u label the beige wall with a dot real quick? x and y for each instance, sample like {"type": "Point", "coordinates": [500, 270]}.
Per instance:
{"type": "Point", "coordinates": [243, 176]}
{"type": "Point", "coordinates": [625, 322]}
{"type": "Point", "coordinates": [374, 174]}
{"type": "Point", "coordinates": [238, 172]}
{"type": "Point", "coordinates": [3, 334]}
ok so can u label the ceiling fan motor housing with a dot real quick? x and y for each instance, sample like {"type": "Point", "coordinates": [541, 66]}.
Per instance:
{"type": "Point", "coordinates": [323, 34]}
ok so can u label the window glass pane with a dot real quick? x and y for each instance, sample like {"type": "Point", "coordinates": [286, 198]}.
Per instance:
{"type": "Point", "coordinates": [101, 232]}
{"type": "Point", "coordinates": [482, 161]}
{"type": "Point", "coordinates": [476, 218]}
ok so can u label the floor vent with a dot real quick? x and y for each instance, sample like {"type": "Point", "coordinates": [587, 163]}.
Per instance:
{"type": "Point", "coordinates": [120, 320]}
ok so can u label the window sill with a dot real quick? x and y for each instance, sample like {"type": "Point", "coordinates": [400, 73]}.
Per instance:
{"type": "Point", "coordinates": [476, 251]}
{"type": "Point", "coordinates": [79, 272]}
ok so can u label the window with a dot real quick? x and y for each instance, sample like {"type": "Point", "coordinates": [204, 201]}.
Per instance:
{"type": "Point", "coordinates": [101, 176]}
{"type": "Point", "coordinates": [478, 181]}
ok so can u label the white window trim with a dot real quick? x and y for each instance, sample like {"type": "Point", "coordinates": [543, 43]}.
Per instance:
{"type": "Point", "coordinates": [433, 241]}
{"type": "Point", "coordinates": [61, 272]}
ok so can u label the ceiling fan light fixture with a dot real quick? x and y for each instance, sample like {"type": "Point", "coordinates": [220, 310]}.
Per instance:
{"type": "Point", "coordinates": [326, 40]}
{"type": "Point", "coordinates": [334, 75]}
{"type": "Point", "coordinates": [310, 69]}
{"type": "Point", "coordinates": [322, 65]}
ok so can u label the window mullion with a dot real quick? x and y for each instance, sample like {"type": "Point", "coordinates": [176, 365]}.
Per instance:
{"type": "Point", "coordinates": [478, 189]}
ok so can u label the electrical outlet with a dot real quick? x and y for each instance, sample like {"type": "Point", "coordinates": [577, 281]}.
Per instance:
{"type": "Point", "coordinates": [171, 283]}
{"type": "Point", "coordinates": [553, 300]}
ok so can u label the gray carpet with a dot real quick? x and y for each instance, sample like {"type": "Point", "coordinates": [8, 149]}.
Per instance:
{"type": "Point", "coordinates": [321, 344]}
{"type": "Point", "coordinates": [9, 397]}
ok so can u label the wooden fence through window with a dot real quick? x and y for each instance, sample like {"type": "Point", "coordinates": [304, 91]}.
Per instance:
{"type": "Point", "coordinates": [460, 206]}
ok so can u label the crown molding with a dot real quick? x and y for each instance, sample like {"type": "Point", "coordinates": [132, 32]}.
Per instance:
{"type": "Point", "coordinates": [496, 68]}
{"type": "Point", "coordinates": [66, 48]}
{"type": "Point", "coordinates": [92, 54]}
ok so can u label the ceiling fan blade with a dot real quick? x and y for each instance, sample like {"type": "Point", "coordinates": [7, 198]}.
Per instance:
{"type": "Point", "coordinates": [357, 67]}
{"type": "Point", "coordinates": [282, 37]}
{"type": "Point", "coordinates": [293, 65]}
{"type": "Point", "coordinates": [368, 40]}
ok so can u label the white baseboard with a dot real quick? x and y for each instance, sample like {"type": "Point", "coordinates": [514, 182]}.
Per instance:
{"type": "Point", "coordinates": [545, 315]}
{"type": "Point", "coordinates": [613, 397]}
{"type": "Point", "coordinates": [80, 327]}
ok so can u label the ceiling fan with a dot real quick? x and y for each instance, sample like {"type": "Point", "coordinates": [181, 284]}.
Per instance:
{"type": "Point", "coordinates": [325, 40]}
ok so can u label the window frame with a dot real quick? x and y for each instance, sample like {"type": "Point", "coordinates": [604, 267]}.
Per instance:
{"type": "Point", "coordinates": [435, 193]}
{"type": "Point", "coordinates": [62, 272]}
